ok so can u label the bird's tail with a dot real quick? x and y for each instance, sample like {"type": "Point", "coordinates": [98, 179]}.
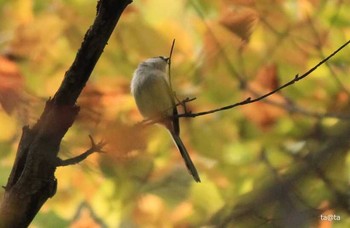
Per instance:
{"type": "Point", "coordinates": [190, 166]}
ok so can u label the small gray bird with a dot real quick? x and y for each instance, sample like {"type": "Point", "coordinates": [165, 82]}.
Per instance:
{"type": "Point", "coordinates": [154, 99]}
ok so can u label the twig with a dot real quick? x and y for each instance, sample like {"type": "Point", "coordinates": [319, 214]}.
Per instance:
{"type": "Point", "coordinates": [242, 82]}
{"type": "Point", "coordinates": [169, 64]}
{"type": "Point", "coordinates": [293, 108]}
{"type": "Point", "coordinates": [150, 121]}
{"type": "Point", "coordinates": [94, 148]}
{"type": "Point", "coordinates": [249, 100]}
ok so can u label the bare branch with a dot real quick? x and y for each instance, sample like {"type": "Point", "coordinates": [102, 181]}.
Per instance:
{"type": "Point", "coordinates": [169, 67]}
{"type": "Point", "coordinates": [150, 121]}
{"type": "Point", "coordinates": [250, 100]}
{"type": "Point", "coordinates": [94, 148]}
{"type": "Point", "coordinates": [293, 108]}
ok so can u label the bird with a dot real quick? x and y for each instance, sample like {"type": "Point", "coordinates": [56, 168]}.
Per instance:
{"type": "Point", "coordinates": [155, 100]}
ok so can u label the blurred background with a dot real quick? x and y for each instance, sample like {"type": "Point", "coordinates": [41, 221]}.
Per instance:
{"type": "Point", "coordinates": [280, 162]}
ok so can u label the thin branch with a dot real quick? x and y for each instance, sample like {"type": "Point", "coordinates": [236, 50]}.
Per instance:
{"type": "Point", "coordinates": [243, 83]}
{"type": "Point", "coordinates": [169, 64]}
{"type": "Point", "coordinates": [249, 100]}
{"type": "Point", "coordinates": [94, 148]}
{"type": "Point", "coordinates": [150, 121]}
{"type": "Point", "coordinates": [293, 108]}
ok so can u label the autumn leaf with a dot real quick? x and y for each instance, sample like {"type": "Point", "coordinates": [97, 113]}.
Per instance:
{"type": "Point", "coordinates": [263, 114]}
{"type": "Point", "coordinates": [239, 21]}
{"type": "Point", "coordinates": [11, 85]}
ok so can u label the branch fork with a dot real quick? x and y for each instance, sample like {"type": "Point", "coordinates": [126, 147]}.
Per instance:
{"type": "Point", "coordinates": [94, 148]}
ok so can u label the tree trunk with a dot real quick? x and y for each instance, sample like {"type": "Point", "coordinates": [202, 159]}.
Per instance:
{"type": "Point", "coordinates": [32, 180]}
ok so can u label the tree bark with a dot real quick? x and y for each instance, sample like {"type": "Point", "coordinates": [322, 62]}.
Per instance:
{"type": "Point", "coordinates": [32, 180]}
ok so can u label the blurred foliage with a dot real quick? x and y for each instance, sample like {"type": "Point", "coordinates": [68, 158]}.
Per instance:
{"type": "Point", "coordinates": [225, 51]}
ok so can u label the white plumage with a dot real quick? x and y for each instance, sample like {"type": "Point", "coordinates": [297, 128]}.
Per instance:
{"type": "Point", "coordinates": [154, 99]}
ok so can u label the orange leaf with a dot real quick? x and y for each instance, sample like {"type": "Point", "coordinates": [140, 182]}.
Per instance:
{"type": "Point", "coordinates": [11, 85]}
{"type": "Point", "coordinates": [263, 114]}
{"type": "Point", "coordinates": [239, 21]}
